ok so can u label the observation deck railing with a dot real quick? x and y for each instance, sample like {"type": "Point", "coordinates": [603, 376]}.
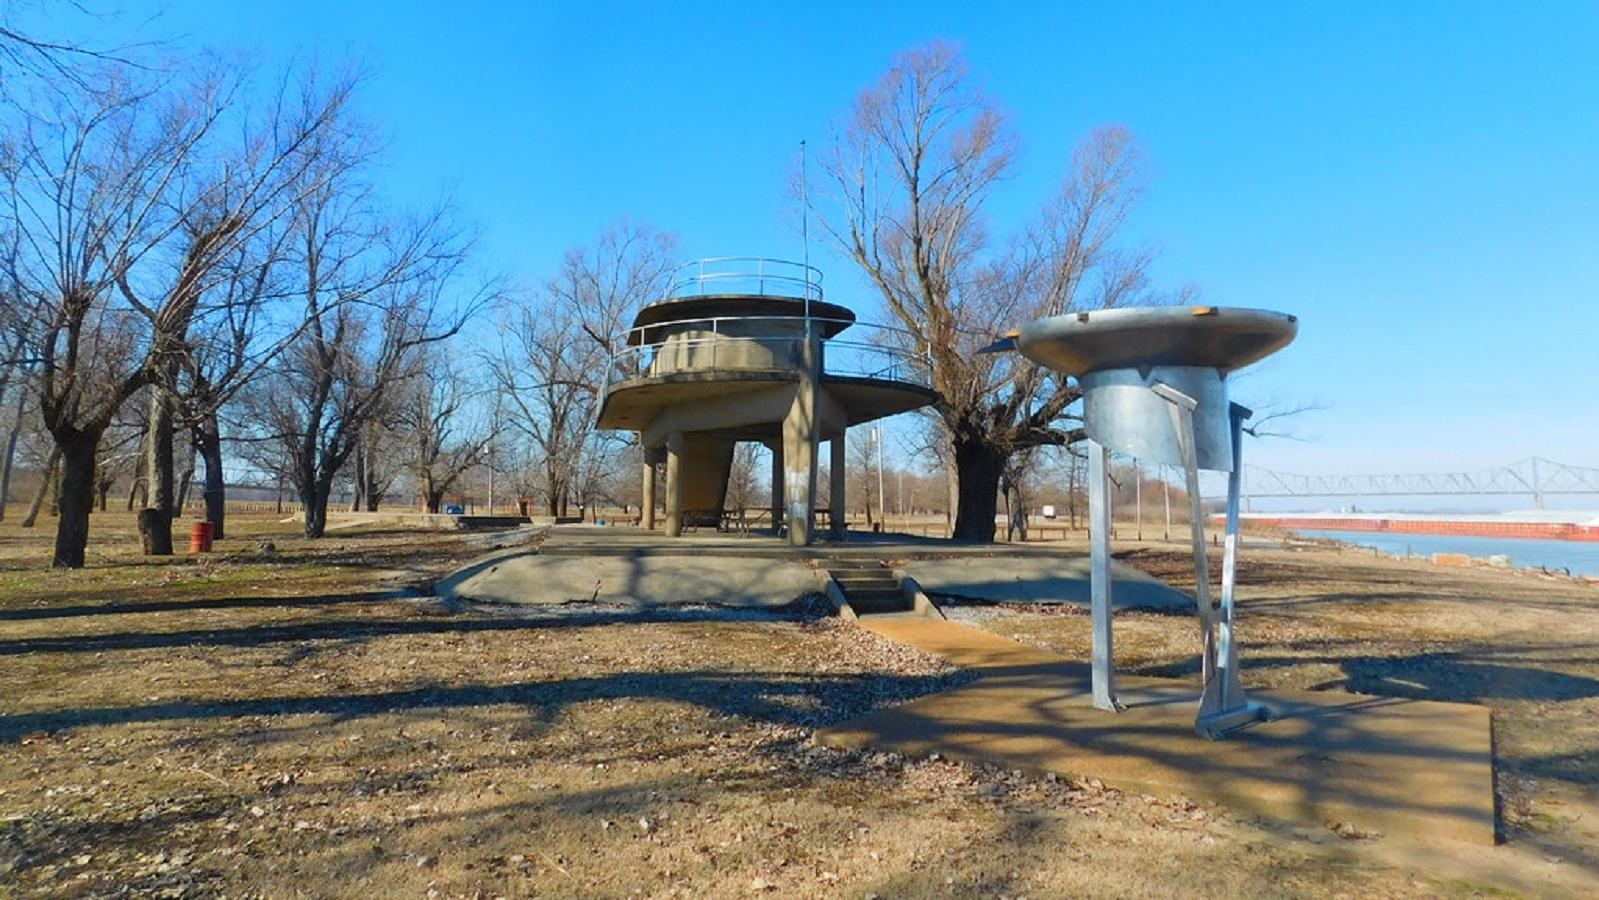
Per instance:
{"type": "Point", "coordinates": [771, 344]}
{"type": "Point", "coordinates": [746, 275]}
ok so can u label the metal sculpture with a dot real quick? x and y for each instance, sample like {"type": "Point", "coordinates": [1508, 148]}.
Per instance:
{"type": "Point", "coordinates": [1154, 385]}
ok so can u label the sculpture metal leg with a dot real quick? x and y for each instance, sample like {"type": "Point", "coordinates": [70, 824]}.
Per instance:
{"type": "Point", "coordinates": [1099, 585]}
{"type": "Point", "coordinates": [1222, 705]}
{"type": "Point", "coordinates": [1234, 710]}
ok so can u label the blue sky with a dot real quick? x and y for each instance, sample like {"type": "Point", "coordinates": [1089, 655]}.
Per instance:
{"type": "Point", "coordinates": [1419, 182]}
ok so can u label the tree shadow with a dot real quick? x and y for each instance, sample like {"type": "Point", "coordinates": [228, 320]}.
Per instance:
{"type": "Point", "coordinates": [419, 620]}
{"type": "Point", "coordinates": [787, 698]}
{"type": "Point", "coordinates": [118, 608]}
{"type": "Point", "coordinates": [1472, 674]}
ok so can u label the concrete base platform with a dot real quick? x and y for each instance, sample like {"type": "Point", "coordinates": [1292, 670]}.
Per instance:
{"type": "Point", "coordinates": [580, 562]}
{"type": "Point", "coordinates": [649, 580]}
{"type": "Point", "coordinates": [1411, 767]}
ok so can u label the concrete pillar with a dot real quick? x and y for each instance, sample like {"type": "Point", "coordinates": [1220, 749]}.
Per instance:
{"type": "Point", "coordinates": [777, 483]}
{"type": "Point", "coordinates": [801, 433]}
{"type": "Point", "coordinates": [674, 484]}
{"type": "Point", "coordinates": [647, 513]}
{"type": "Point", "coordinates": [837, 465]}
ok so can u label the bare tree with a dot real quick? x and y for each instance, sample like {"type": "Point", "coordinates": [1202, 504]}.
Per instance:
{"type": "Point", "coordinates": [375, 297]}
{"type": "Point", "coordinates": [51, 60]}
{"type": "Point", "coordinates": [128, 195]}
{"type": "Point", "coordinates": [554, 357]}
{"type": "Point", "coordinates": [375, 291]}
{"type": "Point", "coordinates": [906, 182]}
{"type": "Point", "coordinates": [436, 418]}
{"type": "Point", "coordinates": [861, 482]}
{"type": "Point", "coordinates": [744, 476]}
{"type": "Point", "coordinates": [91, 188]}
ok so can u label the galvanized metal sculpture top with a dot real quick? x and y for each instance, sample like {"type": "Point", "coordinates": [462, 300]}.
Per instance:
{"type": "Point", "coordinates": [1154, 385]}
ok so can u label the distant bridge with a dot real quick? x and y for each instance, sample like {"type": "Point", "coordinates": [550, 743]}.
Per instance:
{"type": "Point", "coordinates": [1535, 476]}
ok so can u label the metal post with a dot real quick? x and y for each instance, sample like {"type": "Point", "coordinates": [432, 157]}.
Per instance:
{"type": "Point", "coordinates": [1138, 501]}
{"type": "Point", "coordinates": [877, 435]}
{"type": "Point", "coordinates": [837, 498]}
{"type": "Point", "coordinates": [1165, 491]}
{"type": "Point", "coordinates": [1099, 584]}
{"type": "Point", "coordinates": [899, 499]}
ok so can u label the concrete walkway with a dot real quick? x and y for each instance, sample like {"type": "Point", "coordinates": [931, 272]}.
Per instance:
{"type": "Point", "coordinates": [1411, 767]}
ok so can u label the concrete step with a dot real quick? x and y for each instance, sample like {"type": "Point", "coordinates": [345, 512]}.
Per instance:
{"type": "Point", "coordinates": [871, 590]}
{"type": "Point", "coordinates": [872, 606]}
{"type": "Point", "coordinates": [877, 584]}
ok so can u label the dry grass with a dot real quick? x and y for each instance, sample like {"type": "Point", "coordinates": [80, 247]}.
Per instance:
{"type": "Point", "coordinates": [294, 724]}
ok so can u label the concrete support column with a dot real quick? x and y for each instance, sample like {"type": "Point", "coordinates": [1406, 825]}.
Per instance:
{"type": "Point", "coordinates": [674, 484]}
{"type": "Point", "coordinates": [647, 513]}
{"type": "Point", "coordinates": [777, 483]}
{"type": "Point", "coordinates": [837, 466]}
{"type": "Point", "coordinates": [801, 431]}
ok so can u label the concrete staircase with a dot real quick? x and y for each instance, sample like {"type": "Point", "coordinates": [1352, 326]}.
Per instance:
{"type": "Point", "coordinates": [864, 588]}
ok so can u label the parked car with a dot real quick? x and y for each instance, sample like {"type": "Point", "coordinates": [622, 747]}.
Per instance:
{"type": "Point", "coordinates": [454, 509]}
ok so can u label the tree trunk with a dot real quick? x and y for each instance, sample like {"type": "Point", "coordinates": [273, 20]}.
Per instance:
{"type": "Point", "coordinates": [184, 481]}
{"type": "Point", "coordinates": [76, 498]}
{"type": "Point", "coordinates": [156, 528]}
{"type": "Point", "coordinates": [1010, 516]}
{"type": "Point", "coordinates": [45, 486]}
{"type": "Point", "coordinates": [358, 476]}
{"type": "Point", "coordinates": [11, 452]}
{"type": "Point", "coordinates": [1016, 508]}
{"type": "Point", "coordinates": [208, 446]}
{"type": "Point", "coordinates": [372, 494]}
{"type": "Point", "coordinates": [952, 493]}
{"type": "Point", "coordinates": [314, 502]}
{"type": "Point", "coordinates": [978, 465]}
{"type": "Point", "coordinates": [432, 494]}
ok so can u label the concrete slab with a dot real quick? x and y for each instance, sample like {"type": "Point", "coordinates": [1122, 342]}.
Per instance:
{"type": "Point", "coordinates": [1031, 578]}
{"type": "Point", "coordinates": [1004, 573]}
{"type": "Point", "coordinates": [643, 580]}
{"type": "Point", "coordinates": [1381, 764]}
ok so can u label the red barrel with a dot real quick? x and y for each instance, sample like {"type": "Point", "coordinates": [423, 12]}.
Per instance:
{"type": "Point", "coordinates": [200, 537]}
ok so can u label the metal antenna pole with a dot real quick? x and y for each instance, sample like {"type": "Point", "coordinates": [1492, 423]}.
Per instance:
{"type": "Point", "coordinates": [805, 227]}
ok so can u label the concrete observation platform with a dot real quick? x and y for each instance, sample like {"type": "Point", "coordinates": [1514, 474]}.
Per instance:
{"type": "Point", "coordinates": [1415, 767]}
{"type": "Point", "coordinates": [746, 350]}
{"type": "Point", "coordinates": [644, 568]}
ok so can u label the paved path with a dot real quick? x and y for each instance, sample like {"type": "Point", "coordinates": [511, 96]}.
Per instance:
{"type": "Point", "coordinates": [1380, 764]}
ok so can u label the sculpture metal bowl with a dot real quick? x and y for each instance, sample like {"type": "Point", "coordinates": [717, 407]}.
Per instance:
{"type": "Point", "coordinates": [1215, 337]}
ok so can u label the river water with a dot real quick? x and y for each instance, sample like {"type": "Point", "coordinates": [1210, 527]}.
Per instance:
{"type": "Point", "coordinates": [1578, 557]}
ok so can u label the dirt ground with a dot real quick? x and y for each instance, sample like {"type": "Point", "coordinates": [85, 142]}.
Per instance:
{"type": "Point", "coordinates": [305, 722]}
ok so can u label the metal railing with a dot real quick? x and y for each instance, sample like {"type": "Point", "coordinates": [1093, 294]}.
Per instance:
{"type": "Point", "coordinates": [771, 344]}
{"type": "Point", "coordinates": [746, 275]}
